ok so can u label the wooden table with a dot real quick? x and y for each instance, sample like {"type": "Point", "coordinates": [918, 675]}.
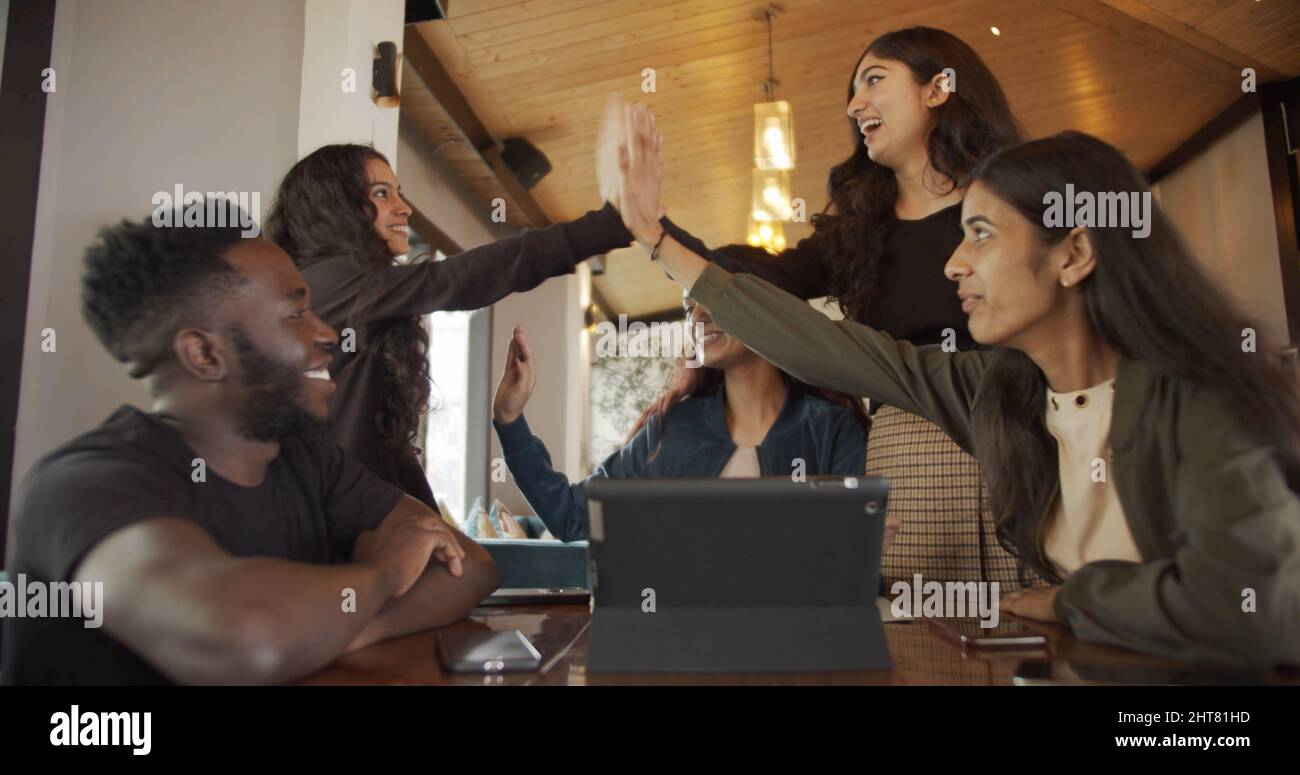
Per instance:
{"type": "Point", "coordinates": [919, 655]}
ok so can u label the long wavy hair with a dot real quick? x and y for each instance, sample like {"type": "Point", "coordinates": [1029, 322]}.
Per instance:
{"type": "Point", "coordinates": [853, 231]}
{"type": "Point", "coordinates": [694, 382]}
{"type": "Point", "coordinates": [1150, 301]}
{"type": "Point", "coordinates": [323, 211]}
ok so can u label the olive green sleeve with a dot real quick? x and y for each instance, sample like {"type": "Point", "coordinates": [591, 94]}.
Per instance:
{"type": "Point", "coordinates": [844, 355]}
{"type": "Point", "coordinates": [1230, 591]}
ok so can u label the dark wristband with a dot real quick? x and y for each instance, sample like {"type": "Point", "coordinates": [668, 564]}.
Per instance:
{"type": "Point", "coordinates": [654, 252]}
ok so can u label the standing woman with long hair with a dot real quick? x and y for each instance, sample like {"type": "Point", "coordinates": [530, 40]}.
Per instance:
{"type": "Point", "coordinates": [878, 250]}
{"type": "Point", "coordinates": [341, 216]}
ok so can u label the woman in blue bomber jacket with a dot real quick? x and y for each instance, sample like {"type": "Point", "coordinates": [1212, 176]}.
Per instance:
{"type": "Point", "coordinates": [734, 416]}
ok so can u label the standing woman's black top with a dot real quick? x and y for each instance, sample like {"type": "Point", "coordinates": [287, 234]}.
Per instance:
{"type": "Point", "coordinates": [469, 280]}
{"type": "Point", "coordinates": [914, 301]}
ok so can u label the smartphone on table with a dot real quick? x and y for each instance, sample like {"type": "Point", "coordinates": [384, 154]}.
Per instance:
{"type": "Point", "coordinates": [487, 651]}
{"type": "Point", "coordinates": [1008, 634]}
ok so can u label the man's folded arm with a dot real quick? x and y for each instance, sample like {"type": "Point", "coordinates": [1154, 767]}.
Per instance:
{"type": "Point", "coordinates": [200, 615]}
{"type": "Point", "coordinates": [438, 598]}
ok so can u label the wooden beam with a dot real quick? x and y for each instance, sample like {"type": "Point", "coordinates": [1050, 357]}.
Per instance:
{"type": "Point", "coordinates": [1189, 35]}
{"type": "Point", "coordinates": [442, 41]}
{"type": "Point", "coordinates": [444, 89]}
{"type": "Point", "coordinates": [1146, 27]}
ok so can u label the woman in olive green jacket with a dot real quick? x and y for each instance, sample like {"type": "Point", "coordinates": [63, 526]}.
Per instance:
{"type": "Point", "coordinates": [1140, 439]}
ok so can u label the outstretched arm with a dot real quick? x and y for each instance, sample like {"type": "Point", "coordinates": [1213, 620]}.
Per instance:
{"type": "Point", "coordinates": [470, 280]}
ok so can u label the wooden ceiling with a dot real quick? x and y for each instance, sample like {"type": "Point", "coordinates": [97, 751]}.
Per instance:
{"type": "Point", "coordinates": [442, 134]}
{"type": "Point", "coordinates": [1142, 74]}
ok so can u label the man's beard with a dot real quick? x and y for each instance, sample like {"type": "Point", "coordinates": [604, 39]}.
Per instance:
{"type": "Point", "coordinates": [271, 411]}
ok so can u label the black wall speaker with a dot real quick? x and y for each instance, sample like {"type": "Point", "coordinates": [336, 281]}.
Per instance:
{"type": "Point", "coordinates": [387, 75]}
{"type": "Point", "coordinates": [528, 164]}
{"type": "Point", "coordinates": [423, 11]}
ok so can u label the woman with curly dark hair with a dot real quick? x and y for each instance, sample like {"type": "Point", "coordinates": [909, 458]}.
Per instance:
{"type": "Point", "coordinates": [341, 216]}
{"type": "Point", "coordinates": [923, 109]}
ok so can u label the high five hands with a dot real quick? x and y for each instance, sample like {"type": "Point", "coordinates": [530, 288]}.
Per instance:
{"type": "Point", "coordinates": [628, 165]}
{"type": "Point", "coordinates": [629, 150]}
{"type": "Point", "coordinates": [609, 140]}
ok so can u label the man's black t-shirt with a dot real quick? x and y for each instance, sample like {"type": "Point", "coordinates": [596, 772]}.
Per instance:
{"type": "Point", "coordinates": [311, 506]}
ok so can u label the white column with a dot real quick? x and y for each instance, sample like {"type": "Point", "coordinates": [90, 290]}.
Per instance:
{"type": "Point", "coordinates": [339, 34]}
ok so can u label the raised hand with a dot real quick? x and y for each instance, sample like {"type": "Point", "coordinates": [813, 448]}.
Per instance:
{"type": "Point", "coordinates": [517, 380]}
{"type": "Point", "coordinates": [638, 197]}
{"type": "Point", "coordinates": [640, 167]}
{"type": "Point", "coordinates": [639, 164]}
{"type": "Point", "coordinates": [611, 137]}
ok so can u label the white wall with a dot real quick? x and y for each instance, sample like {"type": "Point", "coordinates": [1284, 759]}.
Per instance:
{"type": "Point", "coordinates": [226, 97]}
{"type": "Point", "coordinates": [339, 34]}
{"type": "Point", "coordinates": [1222, 204]}
{"type": "Point", "coordinates": [148, 94]}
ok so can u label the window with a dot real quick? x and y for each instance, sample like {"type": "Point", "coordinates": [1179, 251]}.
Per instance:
{"type": "Point", "coordinates": [447, 424]}
{"type": "Point", "coordinates": [454, 432]}
{"type": "Point", "coordinates": [621, 389]}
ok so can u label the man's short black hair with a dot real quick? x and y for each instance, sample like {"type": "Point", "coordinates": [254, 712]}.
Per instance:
{"type": "Point", "coordinates": [143, 282]}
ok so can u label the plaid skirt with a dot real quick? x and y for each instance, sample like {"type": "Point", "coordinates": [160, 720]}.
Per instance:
{"type": "Point", "coordinates": [939, 501]}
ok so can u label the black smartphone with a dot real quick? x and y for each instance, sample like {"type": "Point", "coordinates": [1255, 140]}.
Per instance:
{"type": "Point", "coordinates": [1008, 634]}
{"type": "Point", "coordinates": [537, 596]}
{"type": "Point", "coordinates": [1037, 672]}
{"type": "Point", "coordinates": [487, 651]}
